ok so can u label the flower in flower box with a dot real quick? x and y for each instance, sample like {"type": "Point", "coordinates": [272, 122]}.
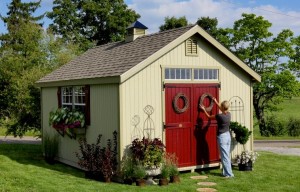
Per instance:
{"type": "Point", "coordinates": [65, 121]}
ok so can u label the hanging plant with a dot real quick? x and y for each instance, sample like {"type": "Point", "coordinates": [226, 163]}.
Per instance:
{"type": "Point", "coordinates": [65, 121]}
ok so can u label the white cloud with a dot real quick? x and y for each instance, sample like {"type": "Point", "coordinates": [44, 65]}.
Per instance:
{"type": "Point", "coordinates": [154, 12]}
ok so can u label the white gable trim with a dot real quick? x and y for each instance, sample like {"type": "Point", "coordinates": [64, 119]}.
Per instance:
{"type": "Point", "coordinates": [180, 39]}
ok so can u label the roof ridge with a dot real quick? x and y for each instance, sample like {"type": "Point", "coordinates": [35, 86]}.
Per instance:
{"type": "Point", "coordinates": [168, 31]}
{"type": "Point", "coordinates": [148, 35]}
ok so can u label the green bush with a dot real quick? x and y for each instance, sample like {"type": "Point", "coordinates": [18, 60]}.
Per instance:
{"type": "Point", "coordinates": [274, 126]}
{"type": "Point", "coordinates": [293, 127]}
{"type": "Point", "coordinates": [242, 134]}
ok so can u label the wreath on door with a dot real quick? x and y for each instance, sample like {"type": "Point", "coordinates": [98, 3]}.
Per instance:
{"type": "Point", "coordinates": [209, 108]}
{"type": "Point", "coordinates": [175, 102]}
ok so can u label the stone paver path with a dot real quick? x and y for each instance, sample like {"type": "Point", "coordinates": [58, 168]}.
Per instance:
{"type": "Point", "coordinates": [206, 189]}
{"type": "Point", "coordinates": [206, 183]}
{"type": "Point", "coordinates": [199, 177]}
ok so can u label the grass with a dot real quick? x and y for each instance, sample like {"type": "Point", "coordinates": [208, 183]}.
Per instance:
{"type": "Point", "coordinates": [22, 168]}
{"type": "Point", "coordinates": [28, 133]}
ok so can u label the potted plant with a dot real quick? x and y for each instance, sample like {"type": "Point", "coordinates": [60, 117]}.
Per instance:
{"type": "Point", "coordinates": [172, 162]}
{"type": "Point", "coordinates": [127, 169]}
{"type": "Point", "coordinates": [139, 175]}
{"type": "Point", "coordinates": [164, 175]}
{"type": "Point", "coordinates": [246, 159]}
{"type": "Point", "coordinates": [65, 121]}
{"type": "Point", "coordinates": [50, 147]}
{"type": "Point", "coordinates": [148, 152]}
{"type": "Point", "coordinates": [242, 134]}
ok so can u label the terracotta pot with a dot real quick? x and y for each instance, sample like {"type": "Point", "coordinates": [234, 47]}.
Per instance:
{"type": "Point", "coordinates": [175, 179]}
{"type": "Point", "coordinates": [140, 182]}
{"type": "Point", "coordinates": [163, 181]}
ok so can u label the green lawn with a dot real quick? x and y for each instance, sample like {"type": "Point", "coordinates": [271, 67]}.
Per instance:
{"type": "Point", "coordinates": [28, 133]}
{"type": "Point", "coordinates": [22, 168]}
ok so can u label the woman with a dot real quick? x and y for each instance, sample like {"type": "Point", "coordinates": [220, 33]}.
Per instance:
{"type": "Point", "coordinates": [224, 138]}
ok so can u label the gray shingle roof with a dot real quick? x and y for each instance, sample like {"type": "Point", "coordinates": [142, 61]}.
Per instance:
{"type": "Point", "coordinates": [113, 59]}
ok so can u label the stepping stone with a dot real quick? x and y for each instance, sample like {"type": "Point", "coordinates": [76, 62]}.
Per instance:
{"type": "Point", "coordinates": [199, 177]}
{"type": "Point", "coordinates": [206, 189]}
{"type": "Point", "coordinates": [206, 183]}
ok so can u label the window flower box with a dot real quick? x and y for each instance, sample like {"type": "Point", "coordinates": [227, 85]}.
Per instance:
{"type": "Point", "coordinates": [67, 122]}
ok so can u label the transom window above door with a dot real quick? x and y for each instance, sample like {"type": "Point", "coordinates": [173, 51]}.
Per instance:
{"type": "Point", "coordinates": [206, 74]}
{"type": "Point", "coordinates": [192, 74]}
{"type": "Point", "coordinates": [178, 73]}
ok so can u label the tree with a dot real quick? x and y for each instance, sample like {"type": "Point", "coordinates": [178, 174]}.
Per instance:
{"type": "Point", "coordinates": [274, 58]}
{"type": "Point", "coordinates": [18, 16]}
{"type": "Point", "coordinates": [91, 21]}
{"type": "Point", "coordinates": [209, 25]}
{"type": "Point", "coordinates": [173, 22]}
{"type": "Point", "coordinates": [19, 54]}
{"type": "Point", "coordinates": [27, 54]}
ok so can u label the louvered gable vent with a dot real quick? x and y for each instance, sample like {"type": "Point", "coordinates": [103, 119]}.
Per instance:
{"type": "Point", "coordinates": [191, 47]}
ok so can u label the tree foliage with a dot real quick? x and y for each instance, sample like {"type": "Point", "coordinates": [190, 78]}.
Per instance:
{"type": "Point", "coordinates": [173, 22]}
{"type": "Point", "coordinates": [27, 53]}
{"type": "Point", "coordinates": [91, 21]}
{"type": "Point", "coordinates": [209, 25]}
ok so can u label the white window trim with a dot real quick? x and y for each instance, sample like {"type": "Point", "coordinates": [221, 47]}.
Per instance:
{"type": "Point", "coordinates": [73, 104]}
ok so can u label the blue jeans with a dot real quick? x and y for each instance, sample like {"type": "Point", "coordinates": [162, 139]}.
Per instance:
{"type": "Point", "coordinates": [224, 141]}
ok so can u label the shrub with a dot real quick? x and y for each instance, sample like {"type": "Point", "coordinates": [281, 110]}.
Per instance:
{"type": "Point", "coordinates": [97, 159]}
{"type": "Point", "coordinates": [90, 154]}
{"type": "Point", "coordinates": [274, 126]}
{"type": "Point", "coordinates": [242, 134]}
{"type": "Point", "coordinates": [293, 127]}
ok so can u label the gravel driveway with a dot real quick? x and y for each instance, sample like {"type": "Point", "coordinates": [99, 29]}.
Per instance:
{"type": "Point", "coordinates": [23, 140]}
{"type": "Point", "coordinates": [290, 147]}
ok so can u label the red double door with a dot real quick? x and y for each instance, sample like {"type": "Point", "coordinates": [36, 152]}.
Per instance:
{"type": "Point", "coordinates": [189, 133]}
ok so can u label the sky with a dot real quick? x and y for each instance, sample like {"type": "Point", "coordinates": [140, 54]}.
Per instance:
{"type": "Point", "coordinates": [282, 14]}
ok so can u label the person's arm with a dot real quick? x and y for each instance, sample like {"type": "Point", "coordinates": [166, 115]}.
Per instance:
{"type": "Point", "coordinates": [215, 100]}
{"type": "Point", "coordinates": [205, 112]}
{"type": "Point", "coordinates": [218, 104]}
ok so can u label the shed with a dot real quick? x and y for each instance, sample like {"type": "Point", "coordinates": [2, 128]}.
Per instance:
{"type": "Point", "coordinates": [152, 85]}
